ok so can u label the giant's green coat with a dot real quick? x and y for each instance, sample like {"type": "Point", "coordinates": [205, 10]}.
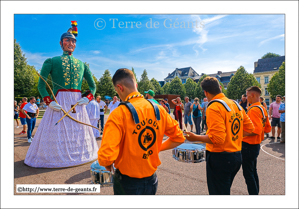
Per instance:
{"type": "Point", "coordinates": [66, 72]}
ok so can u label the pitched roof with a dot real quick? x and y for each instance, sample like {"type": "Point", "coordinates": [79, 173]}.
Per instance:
{"type": "Point", "coordinates": [187, 71]}
{"type": "Point", "coordinates": [222, 75]}
{"type": "Point", "coordinates": [269, 64]}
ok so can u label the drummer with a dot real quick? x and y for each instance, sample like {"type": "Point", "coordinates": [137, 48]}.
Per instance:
{"type": "Point", "coordinates": [134, 147]}
{"type": "Point", "coordinates": [226, 121]}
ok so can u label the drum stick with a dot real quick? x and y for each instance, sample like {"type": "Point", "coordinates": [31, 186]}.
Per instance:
{"type": "Point", "coordinates": [67, 113]}
{"type": "Point", "coordinates": [185, 129]}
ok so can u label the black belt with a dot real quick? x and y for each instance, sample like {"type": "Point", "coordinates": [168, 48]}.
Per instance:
{"type": "Point", "coordinates": [224, 152]}
{"type": "Point", "coordinates": [121, 176]}
{"type": "Point", "coordinates": [31, 114]}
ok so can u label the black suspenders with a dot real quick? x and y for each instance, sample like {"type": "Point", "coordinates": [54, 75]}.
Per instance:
{"type": "Point", "coordinates": [134, 114]}
{"type": "Point", "coordinates": [224, 104]}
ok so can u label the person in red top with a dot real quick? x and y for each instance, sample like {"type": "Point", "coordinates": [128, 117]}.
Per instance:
{"type": "Point", "coordinates": [132, 138]}
{"type": "Point", "coordinates": [23, 117]}
{"type": "Point", "coordinates": [179, 107]}
{"type": "Point", "coordinates": [251, 143]}
{"type": "Point", "coordinates": [226, 121]}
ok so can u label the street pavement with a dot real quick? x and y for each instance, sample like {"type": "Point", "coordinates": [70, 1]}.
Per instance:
{"type": "Point", "coordinates": [174, 177]}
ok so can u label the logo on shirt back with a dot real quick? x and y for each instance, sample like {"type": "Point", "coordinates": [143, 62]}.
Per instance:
{"type": "Point", "coordinates": [236, 125]}
{"type": "Point", "coordinates": [147, 136]}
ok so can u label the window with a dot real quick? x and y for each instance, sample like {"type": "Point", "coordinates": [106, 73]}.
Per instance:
{"type": "Point", "coordinates": [258, 79]}
{"type": "Point", "coordinates": [266, 79]}
{"type": "Point", "coordinates": [267, 102]}
{"type": "Point", "coordinates": [266, 92]}
{"type": "Point", "coordinates": [183, 81]}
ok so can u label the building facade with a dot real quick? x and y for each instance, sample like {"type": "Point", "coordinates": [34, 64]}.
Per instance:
{"type": "Point", "coordinates": [264, 69]}
{"type": "Point", "coordinates": [182, 73]}
{"type": "Point", "coordinates": [189, 72]}
{"type": "Point", "coordinates": [223, 77]}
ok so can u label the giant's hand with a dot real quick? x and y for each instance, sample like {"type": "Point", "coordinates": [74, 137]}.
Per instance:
{"type": "Point", "coordinates": [54, 106]}
{"type": "Point", "coordinates": [83, 101]}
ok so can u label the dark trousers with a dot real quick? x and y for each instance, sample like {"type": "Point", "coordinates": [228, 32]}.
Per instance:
{"type": "Point", "coordinates": [250, 153]}
{"type": "Point", "coordinates": [30, 126]}
{"type": "Point", "coordinates": [197, 124]}
{"type": "Point", "coordinates": [102, 122]}
{"type": "Point", "coordinates": [221, 171]}
{"type": "Point", "coordinates": [178, 117]}
{"type": "Point", "coordinates": [203, 124]}
{"type": "Point", "coordinates": [125, 185]}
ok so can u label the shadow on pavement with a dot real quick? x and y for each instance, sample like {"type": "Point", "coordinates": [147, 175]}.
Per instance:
{"type": "Point", "coordinates": [277, 148]}
{"type": "Point", "coordinates": [78, 177]}
{"type": "Point", "coordinates": [21, 142]}
{"type": "Point", "coordinates": [23, 170]}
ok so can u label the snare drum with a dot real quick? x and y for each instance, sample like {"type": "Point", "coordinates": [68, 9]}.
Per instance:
{"type": "Point", "coordinates": [189, 153]}
{"type": "Point", "coordinates": [99, 175]}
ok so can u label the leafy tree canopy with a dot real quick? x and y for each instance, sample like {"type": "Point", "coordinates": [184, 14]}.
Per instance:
{"type": "Point", "coordinates": [276, 85]}
{"type": "Point", "coordinates": [24, 75]}
{"type": "Point", "coordinates": [158, 88]}
{"type": "Point", "coordinates": [190, 87]}
{"type": "Point", "coordinates": [270, 55]}
{"type": "Point", "coordinates": [198, 91]}
{"type": "Point", "coordinates": [239, 83]}
{"type": "Point", "coordinates": [134, 74]}
{"type": "Point", "coordinates": [176, 87]}
{"type": "Point", "coordinates": [224, 91]}
{"type": "Point", "coordinates": [105, 85]}
{"type": "Point", "coordinates": [166, 88]}
{"type": "Point", "coordinates": [144, 84]}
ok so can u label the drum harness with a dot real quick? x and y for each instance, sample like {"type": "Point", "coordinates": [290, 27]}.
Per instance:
{"type": "Point", "coordinates": [224, 104]}
{"type": "Point", "coordinates": [133, 111]}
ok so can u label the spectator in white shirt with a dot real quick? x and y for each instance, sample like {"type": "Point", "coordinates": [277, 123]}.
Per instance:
{"type": "Point", "coordinates": [113, 104]}
{"type": "Point", "coordinates": [93, 111]}
{"type": "Point", "coordinates": [102, 105]}
{"type": "Point", "coordinates": [31, 115]}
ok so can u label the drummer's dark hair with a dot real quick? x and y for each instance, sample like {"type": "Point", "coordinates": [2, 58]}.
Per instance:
{"type": "Point", "coordinates": [255, 89]}
{"type": "Point", "coordinates": [211, 85]}
{"type": "Point", "coordinates": [124, 76]}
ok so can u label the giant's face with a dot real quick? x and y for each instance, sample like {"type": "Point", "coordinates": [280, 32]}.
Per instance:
{"type": "Point", "coordinates": [69, 44]}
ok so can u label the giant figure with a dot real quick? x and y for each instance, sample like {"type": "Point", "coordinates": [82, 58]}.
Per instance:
{"type": "Point", "coordinates": [68, 143]}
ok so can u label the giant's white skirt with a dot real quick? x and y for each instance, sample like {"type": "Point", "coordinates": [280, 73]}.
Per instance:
{"type": "Point", "coordinates": [66, 144]}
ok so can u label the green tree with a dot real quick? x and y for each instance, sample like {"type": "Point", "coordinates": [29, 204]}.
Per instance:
{"type": "Point", "coordinates": [223, 89]}
{"type": "Point", "coordinates": [176, 87]}
{"type": "Point", "coordinates": [190, 87]}
{"type": "Point", "coordinates": [276, 85]}
{"type": "Point", "coordinates": [134, 74]}
{"type": "Point", "coordinates": [158, 88]}
{"type": "Point", "coordinates": [270, 55]}
{"type": "Point", "coordinates": [144, 84]}
{"type": "Point", "coordinates": [239, 83]}
{"type": "Point", "coordinates": [84, 86]}
{"type": "Point", "coordinates": [24, 78]}
{"type": "Point", "coordinates": [105, 85]}
{"type": "Point", "coordinates": [34, 90]}
{"type": "Point", "coordinates": [198, 91]}
{"type": "Point", "coordinates": [166, 88]}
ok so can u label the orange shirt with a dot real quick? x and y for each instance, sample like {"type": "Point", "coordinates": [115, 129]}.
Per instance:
{"type": "Point", "coordinates": [225, 129]}
{"type": "Point", "coordinates": [134, 148]}
{"type": "Point", "coordinates": [256, 116]}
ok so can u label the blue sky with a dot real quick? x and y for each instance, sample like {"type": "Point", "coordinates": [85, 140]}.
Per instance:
{"type": "Point", "coordinates": [215, 43]}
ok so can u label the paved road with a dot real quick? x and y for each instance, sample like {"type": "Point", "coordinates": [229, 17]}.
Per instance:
{"type": "Point", "coordinates": [175, 178]}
